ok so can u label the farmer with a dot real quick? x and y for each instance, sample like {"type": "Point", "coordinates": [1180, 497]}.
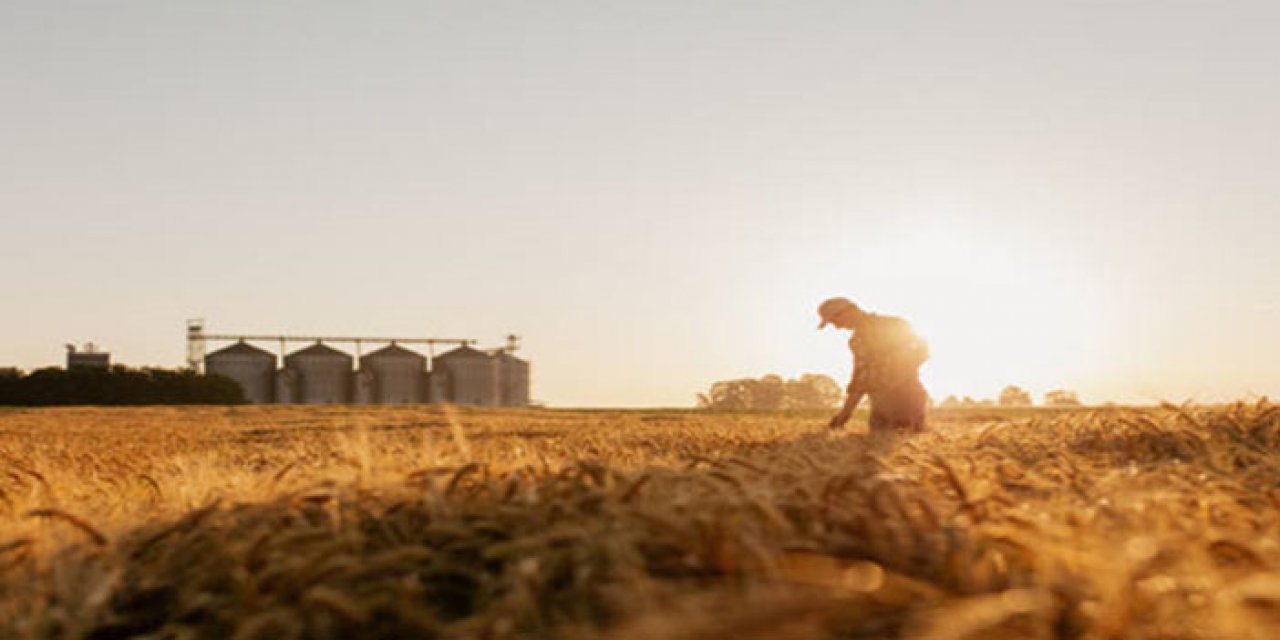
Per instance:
{"type": "Point", "coordinates": [887, 356]}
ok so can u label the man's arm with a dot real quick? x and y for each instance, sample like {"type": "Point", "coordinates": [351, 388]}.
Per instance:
{"type": "Point", "coordinates": [850, 404]}
{"type": "Point", "coordinates": [853, 396]}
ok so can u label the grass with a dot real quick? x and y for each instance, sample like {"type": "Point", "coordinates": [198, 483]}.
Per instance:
{"type": "Point", "coordinates": [332, 522]}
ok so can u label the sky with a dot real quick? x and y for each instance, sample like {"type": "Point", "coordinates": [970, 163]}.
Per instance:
{"type": "Point", "coordinates": [656, 195]}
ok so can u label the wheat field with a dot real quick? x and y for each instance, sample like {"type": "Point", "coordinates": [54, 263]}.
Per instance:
{"type": "Point", "coordinates": [446, 522]}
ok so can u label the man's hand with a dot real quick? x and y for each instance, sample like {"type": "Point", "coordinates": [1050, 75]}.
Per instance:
{"type": "Point", "coordinates": [850, 403]}
{"type": "Point", "coordinates": [839, 420]}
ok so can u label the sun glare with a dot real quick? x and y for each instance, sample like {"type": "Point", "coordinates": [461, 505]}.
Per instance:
{"type": "Point", "coordinates": [995, 312]}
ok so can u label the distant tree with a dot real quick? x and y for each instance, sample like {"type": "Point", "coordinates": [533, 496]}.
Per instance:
{"type": "Point", "coordinates": [10, 378]}
{"type": "Point", "coordinates": [116, 386]}
{"type": "Point", "coordinates": [950, 402]}
{"type": "Point", "coordinates": [1014, 396]}
{"type": "Point", "coordinates": [727, 394]}
{"type": "Point", "coordinates": [1061, 398]}
{"type": "Point", "coordinates": [772, 392]}
{"type": "Point", "coordinates": [812, 391]}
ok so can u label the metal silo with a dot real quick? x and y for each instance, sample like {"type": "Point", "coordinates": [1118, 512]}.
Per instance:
{"type": "Point", "coordinates": [324, 374]}
{"type": "Point", "coordinates": [253, 368]}
{"type": "Point", "coordinates": [513, 380]}
{"type": "Point", "coordinates": [470, 376]}
{"type": "Point", "coordinates": [397, 374]}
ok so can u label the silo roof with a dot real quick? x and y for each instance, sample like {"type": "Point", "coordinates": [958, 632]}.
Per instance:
{"type": "Point", "coordinates": [242, 348]}
{"type": "Point", "coordinates": [463, 352]}
{"type": "Point", "coordinates": [319, 349]}
{"type": "Point", "coordinates": [503, 355]}
{"type": "Point", "coordinates": [393, 351]}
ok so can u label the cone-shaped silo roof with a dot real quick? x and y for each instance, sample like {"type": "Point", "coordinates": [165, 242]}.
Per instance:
{"type": "Point", "coordinates": [465, 351]}
{"type": "Point", "coordinates": [242, 348]}
{"type": "Point", "coordinates": [393, 351]}
{"type": "Point", "coordinates": [319, 349]}
{"type": "Point", "coordinates": [507, 356]}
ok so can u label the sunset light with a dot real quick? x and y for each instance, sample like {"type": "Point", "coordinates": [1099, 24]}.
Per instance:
{"type": "Point", "coordinates": [996, 309]}
{"type": "Point", "coordinates": [640, 320]}
{"type": "Point", "coordinates": [994, 313]}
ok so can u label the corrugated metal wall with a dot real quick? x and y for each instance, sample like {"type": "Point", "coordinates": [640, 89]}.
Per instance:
{"type": "Point", "coordinates": [253, 368]}
{"type": "Point", "coordinates": [324, 374]}
{"type": "Point", "coordinates": [513, 381]}
{"type": "Point", "coordinates": [471, 376]}
{"type": "Point", "coordinates": [398, 374]}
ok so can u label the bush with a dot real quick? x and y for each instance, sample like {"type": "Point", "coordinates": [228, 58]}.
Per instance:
{"type": "Point", "coordinates": [1014, 396]}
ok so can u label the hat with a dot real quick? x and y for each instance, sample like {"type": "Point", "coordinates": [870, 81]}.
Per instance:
{"type": "Point", "coordinates": [833, 307]}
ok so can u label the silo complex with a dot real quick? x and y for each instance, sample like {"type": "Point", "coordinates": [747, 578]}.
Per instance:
{"type": "Point", "coordinates": [467, 376]}
{"type": "Point", "coordinates": [253, 368]}
{"type": "Point", "coordinates": [393, 374]}
{"type": "Point", "coordinates": [324, 374]}
{"type": "Point", "coordinates": [399, 375]}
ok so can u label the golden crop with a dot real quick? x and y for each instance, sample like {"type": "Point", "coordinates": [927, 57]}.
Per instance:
{"type": "Point", "coordinates": [439, 522]}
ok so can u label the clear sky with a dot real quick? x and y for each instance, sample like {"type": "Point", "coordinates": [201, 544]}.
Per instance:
{"type": "Point", "coordinates": [656, 195]}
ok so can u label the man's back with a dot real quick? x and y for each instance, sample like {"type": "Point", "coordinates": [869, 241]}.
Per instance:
{"type": "Point", "coordinates": [887, 353]}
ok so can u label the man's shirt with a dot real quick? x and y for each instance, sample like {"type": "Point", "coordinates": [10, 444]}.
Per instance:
{"type": "Point", "coordinates": [887, 353]}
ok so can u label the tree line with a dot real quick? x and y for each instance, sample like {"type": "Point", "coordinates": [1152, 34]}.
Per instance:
{"type": "Point", "coordinates": [816, 391]}
{"type": "Point", "coordinates": [772, 392]}
{"type": "Point", "coordinates": [118, 385]}
{"type": "Point", "coordinates": [1015, 396]}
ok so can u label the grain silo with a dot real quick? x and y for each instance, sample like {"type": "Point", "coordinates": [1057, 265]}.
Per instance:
{"type": "Point", "coordinates": [468, 376]}
{"type": "Point", "coordinates": [324, 374]}
{"type": "Point", "coordinates": [513, 380]}
{"type": "Point", "coordinates": [253, 368]}
{"type": "Point", "coordinates": [398, 374]}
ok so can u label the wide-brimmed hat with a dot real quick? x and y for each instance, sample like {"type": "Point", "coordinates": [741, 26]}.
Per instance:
{"type": "Point", "coordinates": [833, 307]}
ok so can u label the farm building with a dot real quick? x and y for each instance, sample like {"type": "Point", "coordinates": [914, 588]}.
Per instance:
{"type": "Point", "coordinates": [513, 380]}
{"type": "Point", "coordinates": [89, 358]}
{"type": "Point", "coordinates": [324, 374]}
{"type": "Point", "coordinates": [253, 368]}
{"type": "Point", "coordinates": [465, 376]}
{"type": "Point", "coordinates": [399, 376]}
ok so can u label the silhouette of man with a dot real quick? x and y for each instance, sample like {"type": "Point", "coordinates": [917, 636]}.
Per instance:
{"type": "Point", "coordinates": [887, 355]}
